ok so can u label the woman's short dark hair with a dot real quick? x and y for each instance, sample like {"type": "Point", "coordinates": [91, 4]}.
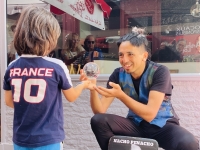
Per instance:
{"type": "Point", "coordinates": [37, 32]}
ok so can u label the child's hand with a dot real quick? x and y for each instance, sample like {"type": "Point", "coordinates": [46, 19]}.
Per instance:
{"type": "Point", "coordinates": [89, 85]}
{"type": "Point", "coordinates": [83, 78]}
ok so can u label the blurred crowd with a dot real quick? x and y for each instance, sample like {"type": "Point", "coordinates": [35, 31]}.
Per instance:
{"type": "Point", "coordinates": [74, 54]}
{"type": "Point", "coordinates": [170, 52]}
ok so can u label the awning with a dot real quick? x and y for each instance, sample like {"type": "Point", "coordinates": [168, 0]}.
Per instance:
{"type": "Point", "coordinates": [105, 7]}
{"type": "Point", "coordinates": [88, 11]}
{"type": "Point", "coordinates": [14, 6]}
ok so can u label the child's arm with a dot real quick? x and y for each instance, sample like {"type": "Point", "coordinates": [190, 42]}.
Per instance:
{"type": "Point", "coordinates": [74, 92]}
{"type": "Point", "coordinates": [9, 98]}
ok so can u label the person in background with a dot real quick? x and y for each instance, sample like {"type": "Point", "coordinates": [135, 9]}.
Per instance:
{"type": "Point", "coordinates": [33, 83]}
{"type": "Point", "coordinates": [92, 52]}
{"type": "Point", "coordinates": [145, 88]}
{"type": "Point", "coordinates": [198, 44]}
{"type": "Point", "coordinates": [180, 45]}
{"type": "Point", "coordinates": [11, 48]}
{"type": "Point", "coordinates": [166, 54]}
{"type": "Point", "coordinates": [72, 52]}
{"type": "Point", "coordinates": [56, 52]}
{"type": "Point", "coordinates": [163, 45]}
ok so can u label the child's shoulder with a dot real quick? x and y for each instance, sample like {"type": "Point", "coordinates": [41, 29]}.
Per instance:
{"type": "Point", "coordinates": [56, 63]}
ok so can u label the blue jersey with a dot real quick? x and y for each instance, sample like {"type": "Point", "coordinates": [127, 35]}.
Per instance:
{"type": "Point", "coordinates": [36, 84]}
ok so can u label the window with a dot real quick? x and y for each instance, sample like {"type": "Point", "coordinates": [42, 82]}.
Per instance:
{"type": "Point", "coordinates": [172, 29]}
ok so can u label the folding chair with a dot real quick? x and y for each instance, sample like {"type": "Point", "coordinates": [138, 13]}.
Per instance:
{"type": "Point", "coordinates": [131, 143]}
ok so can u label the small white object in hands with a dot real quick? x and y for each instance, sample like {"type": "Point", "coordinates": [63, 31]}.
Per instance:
{"type": "Point", "coordinates": [91, 70]}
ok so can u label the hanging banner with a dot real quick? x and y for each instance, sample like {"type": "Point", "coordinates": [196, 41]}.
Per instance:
{"type": "Point", "coordinates": [87, 11]}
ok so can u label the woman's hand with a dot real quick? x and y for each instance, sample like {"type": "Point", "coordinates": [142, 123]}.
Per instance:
{"type": "Point", "coordinates": [81, 54]}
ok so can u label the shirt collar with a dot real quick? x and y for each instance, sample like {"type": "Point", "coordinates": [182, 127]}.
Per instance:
{"type": "Point", "coordinates": [30, 56]}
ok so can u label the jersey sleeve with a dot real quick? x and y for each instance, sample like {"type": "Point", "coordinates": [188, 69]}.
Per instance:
{"type": "Point", "coordinates": [114, 77]}
{"type": "Point", "coordinates": [6, 80]}
{"type": "Point", "coordinates": [162, 81]}
{"type": "Point", "coordinates": [64, 78]}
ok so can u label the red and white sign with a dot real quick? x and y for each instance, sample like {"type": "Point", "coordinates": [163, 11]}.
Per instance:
{"type": "Point", "coordinates": [192, 46]}
{"type": "Point", "coordinates": [87, 11]}
{"type": "Point", "coordinates": [90, 6]}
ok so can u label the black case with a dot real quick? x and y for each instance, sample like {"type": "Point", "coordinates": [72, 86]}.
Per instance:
{"type": "Point", "coordinates": [131, 143]}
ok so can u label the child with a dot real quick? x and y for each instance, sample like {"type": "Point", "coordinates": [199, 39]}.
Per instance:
{"type": "Point", "coordinates": [33, 83]}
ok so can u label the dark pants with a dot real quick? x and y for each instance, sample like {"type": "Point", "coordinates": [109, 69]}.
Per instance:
{"type": "Point", "coordinates": [170, 137]}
